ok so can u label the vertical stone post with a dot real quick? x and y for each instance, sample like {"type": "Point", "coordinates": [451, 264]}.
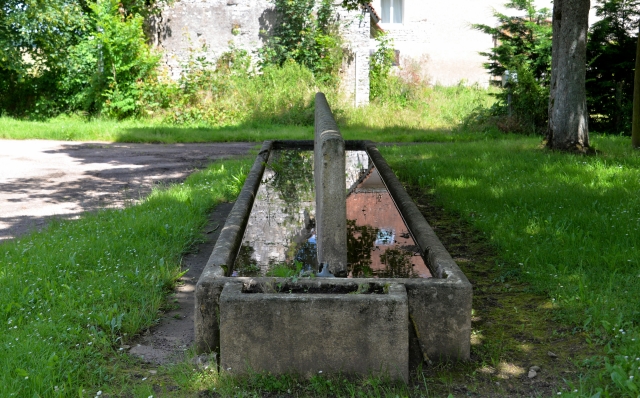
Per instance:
{"type": "Point", "coordinates": [331, 201]}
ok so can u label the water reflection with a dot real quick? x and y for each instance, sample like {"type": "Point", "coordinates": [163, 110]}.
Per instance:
{"type": "Point", "coordinates": [280, 234]}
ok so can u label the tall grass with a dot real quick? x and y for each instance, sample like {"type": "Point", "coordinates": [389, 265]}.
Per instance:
{"type": "Point", "coordinates": [566, 224]}
{"type": "Point", "coordinates": [72, 293]}
{"type": "Point", "coordinates": [416, 105]}
{"type": "Point", "coordinates": [236, 104]}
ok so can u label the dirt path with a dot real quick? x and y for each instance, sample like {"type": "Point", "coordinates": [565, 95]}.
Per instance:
{"type": "Point", "coordinates": [42, 179]}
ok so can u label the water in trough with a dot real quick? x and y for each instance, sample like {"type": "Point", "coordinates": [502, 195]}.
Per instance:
{"type": "Point", "coordinates": [280, 236]}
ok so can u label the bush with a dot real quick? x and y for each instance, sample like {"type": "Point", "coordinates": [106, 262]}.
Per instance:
{"type": "Point", "coordinates": [308, 39]}
{"type": "Point", "coordinates": [611, 51]}
{"type": "Point", "coordinates": [232, 93]}
{"type": "Point", "coordinates": [525, 48]}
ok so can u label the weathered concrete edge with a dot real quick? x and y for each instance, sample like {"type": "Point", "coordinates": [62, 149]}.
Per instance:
{"type": "Point", "coordinates": [449, 298]}
{"type": "Point", "coordinates": [396, 291]}
{"type": "Point", "coordinates": [331, 210]}
{"type": "Point", "coordinates": [396, 295]}
{"type": "Point", "coordinates": [207, 292]}
{"type": "Point", "coordinates": [442, 335]}
{"type": "Point", "coordinates": [324, 120]}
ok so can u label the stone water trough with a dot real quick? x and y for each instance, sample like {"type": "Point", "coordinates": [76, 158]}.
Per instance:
{"type": "Point", "coordinates": [309, 324]}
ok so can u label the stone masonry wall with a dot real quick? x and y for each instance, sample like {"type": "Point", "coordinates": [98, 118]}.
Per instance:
{"type": "Point", "coordinates": [209, 27]}
{"type": "Point", "coordinates": [192, 28]}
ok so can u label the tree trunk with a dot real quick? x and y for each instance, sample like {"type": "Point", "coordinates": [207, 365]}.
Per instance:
{"type": "Point", "coordinates": [568, 117]}
{"type": "Point", "coordinates": [635, 124]}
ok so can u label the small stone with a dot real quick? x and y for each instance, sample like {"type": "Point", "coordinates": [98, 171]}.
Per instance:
{"type": "Point", "coordinates": [535, 368]}
{"type": "Point", "coordinates": [551, 354]}
{"type": "Point", "coordinates": [203, 360]}
{"type": "Point", "coordinates": [532, 374]}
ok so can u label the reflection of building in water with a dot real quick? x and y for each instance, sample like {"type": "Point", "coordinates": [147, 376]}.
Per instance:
{"type": "Point", "coordinates": [370, 204]}
{"type": "Point", "coordinates": [282, 218]}
{"type": "Point", "coordinates": [281, 225]}
{"type": "Point", "coordinates": [357, 163]}
{"type": "Point", "coordinates": [283, 208]}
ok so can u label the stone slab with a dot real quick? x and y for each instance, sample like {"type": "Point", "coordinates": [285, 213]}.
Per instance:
{"type": "Point", "coordinates": [307, 333]}
{"type": "Point", "coordinates": [331, 195]}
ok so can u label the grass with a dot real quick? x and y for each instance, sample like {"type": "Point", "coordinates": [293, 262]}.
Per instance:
{"type": "Point", "coordinates": [433, 117]}
{"type": "Point", "coordinates": [566, 225]}
{"type": "Point", "coordinates": [73, 292]}
{"type": "Point", "coordinates": [558, 245]}
{"type": "Point", "coordinates": [65, 128]}
{"type": "Point", "coordinates": [548, 239]}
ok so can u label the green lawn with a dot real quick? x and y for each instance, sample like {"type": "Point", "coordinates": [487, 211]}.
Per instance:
{"type": "Point", "coordinates": [436, 116]}
{"type": "Point", "coordinates": [70, 293]}
{"type": "Point", "coordinates": [565, 225]}
{"type": "Point", "coordinates": [66, 128]}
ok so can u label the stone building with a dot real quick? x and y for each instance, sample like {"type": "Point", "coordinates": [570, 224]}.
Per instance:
{"type": "Point", "coordinates": [432, 38]}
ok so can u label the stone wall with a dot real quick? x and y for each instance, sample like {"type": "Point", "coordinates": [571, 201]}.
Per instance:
{"type": "Point", "coordinates": [190, 28]}
{"type": "Point", "coordinates": [193, 28]}
{"type": "Point", "coordinates": [435, 37]}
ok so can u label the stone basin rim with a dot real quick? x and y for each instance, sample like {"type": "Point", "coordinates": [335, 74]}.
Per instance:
{"type": "Point", "coordinates": [440, 307]}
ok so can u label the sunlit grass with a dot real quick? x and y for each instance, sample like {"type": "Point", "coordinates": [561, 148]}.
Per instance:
{"type": "Point", "coordinates": [72, 293]}
{"type": "Point", "coordinates": [566, 224]}
{"type": "Point", "coordinates": [433, 117]}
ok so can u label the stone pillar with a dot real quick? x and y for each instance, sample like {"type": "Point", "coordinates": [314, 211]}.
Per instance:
{"type": "Point", "coordinates": [356, 31]}
{"type": "Point", "coordinates": [329, 176]}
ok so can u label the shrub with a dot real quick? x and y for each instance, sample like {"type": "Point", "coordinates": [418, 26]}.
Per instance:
{"type": "Point", "coordinates": [310, 40]}
{"type": "Point", "coordinates": [524, 48]}
{"type": "Point", "coordinates": [232, 93]}
{"type": "Point", "coordinates": [611, 51]}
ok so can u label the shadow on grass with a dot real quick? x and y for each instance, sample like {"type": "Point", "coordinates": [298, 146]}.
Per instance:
{"type": "Point", "coordinates": [513, 328]}
{"type": "Point", "coordinates": [254, 132]}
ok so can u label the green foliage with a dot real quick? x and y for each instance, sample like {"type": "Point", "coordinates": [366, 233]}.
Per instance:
{"type": "Point", "coordinates": [35, 39]}
{"type": "Point", "coordinates": [232, 94]}
{"type": "Point", "coordinates": [312, 41]}
{"type": "Point", "coordinates": [524, 49]}
{"type": "Point", "coordinates": [73, 56]}
{"type": "Point", "coordinates": [74, 292]}
{"type": "Point", "coordinates": [354, 4]}
{"type": "Point", "coordinates": [124, 59]}
{"type": "Point", "coordinates": [523, 41]}
{"type": "Point", "coordinates": [380, 67]}
{"type": "Point", "coordinates": [565, 225]}
{"type": "Point", "coordinates": [611, 53]}
{"type": "Point", "coordinates": [521, 108]}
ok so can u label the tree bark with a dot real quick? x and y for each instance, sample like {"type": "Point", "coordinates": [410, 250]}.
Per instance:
{"type": "Point", "coordinates": [635, 124]}
{"type": "Point", "coordinates": [568, 117]}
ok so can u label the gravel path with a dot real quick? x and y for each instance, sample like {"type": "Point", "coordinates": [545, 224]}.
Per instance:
{"type": "Point", "coordinates": [44, 179]}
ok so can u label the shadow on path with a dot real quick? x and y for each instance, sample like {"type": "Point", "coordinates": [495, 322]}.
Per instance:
{"type": "Point", "coordinates": [41, 179]}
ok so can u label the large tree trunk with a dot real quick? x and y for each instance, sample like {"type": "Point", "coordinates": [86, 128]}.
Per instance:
{"type": "Point", "coordinates": [635, 124]}
{"type": "Point", "coordinates": [568, 117]}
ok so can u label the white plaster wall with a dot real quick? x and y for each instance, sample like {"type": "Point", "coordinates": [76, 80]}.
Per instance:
{"type": "Point", "coordinates": [439, 34]}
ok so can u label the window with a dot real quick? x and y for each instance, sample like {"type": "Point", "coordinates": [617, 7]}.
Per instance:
{"type": "Point", "coordinates": [391, 11]}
